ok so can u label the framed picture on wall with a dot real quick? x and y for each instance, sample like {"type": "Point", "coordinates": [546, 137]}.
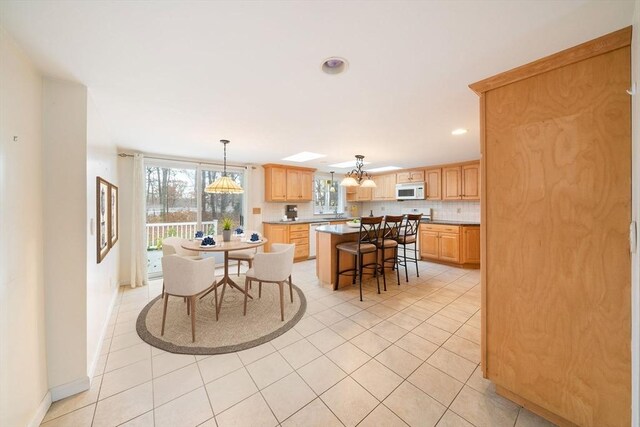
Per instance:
{"type": "Point", "coordinates": [113, 215]}
{"type": "Point", "coordinates": [102, 218]}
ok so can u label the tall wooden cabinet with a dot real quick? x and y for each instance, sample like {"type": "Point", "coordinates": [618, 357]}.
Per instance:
{"type": "Point", "coordinates": [461, 182]}
{"type": "Point", "coordinates": [556, 208]}
{"type": "Point", "coordinates": [433, 180]}
{"type": "Point", "coordinates": [287, 183]}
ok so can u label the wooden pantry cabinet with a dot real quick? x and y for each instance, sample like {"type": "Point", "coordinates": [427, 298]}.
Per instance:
{"type": "Point", "coordinates": [433, 182]}
{"type": "Point", "coordinates": [297, 234]}
{"type": "Point", "coordinates": [461, 182]}
{"type": "Point", "coordinates": [450, 243]}
{"type": "Point", "coordinates": [556, 208]}
{"type": "Point", "coordinates": [287, 183]}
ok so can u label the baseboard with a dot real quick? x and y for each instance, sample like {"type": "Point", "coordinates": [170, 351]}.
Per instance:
{"type": "Point", "coordinates": [41, 412]}
{"type": "Point", "coordinates": [96, 355]}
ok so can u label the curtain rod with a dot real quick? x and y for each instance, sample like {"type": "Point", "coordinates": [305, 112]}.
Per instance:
{"type": "Point", "coordinates": [182, 161]}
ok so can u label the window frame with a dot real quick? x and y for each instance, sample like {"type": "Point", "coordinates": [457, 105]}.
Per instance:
{"type": "Point", "coordinates": [341, 195]}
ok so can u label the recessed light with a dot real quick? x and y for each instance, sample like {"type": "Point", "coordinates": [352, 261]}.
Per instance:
{"type": "Point", "coordinates": [304, 156]}
{"type": "Point", "coordinates": [335, 65]}
{"type": "Point", "coordinates": [459, 131]}
{"type": "Point", "coordinates": [384, 169]}
{"type": "Point", "coordinates": [349, 164]}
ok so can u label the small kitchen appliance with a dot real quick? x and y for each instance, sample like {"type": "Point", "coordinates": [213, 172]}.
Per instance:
{"type": "Point", "coordinates": [410, 191]}
{"type": "Point", "coordinates": [292, 212]}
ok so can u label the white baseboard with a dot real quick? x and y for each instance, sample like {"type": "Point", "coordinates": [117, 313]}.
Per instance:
{"type": "Point", "coordinates": [41, 412]}
{"type": "Point", "coordinates": [96, 355]}
{"type": "Point", "coordinates": [69, 389]}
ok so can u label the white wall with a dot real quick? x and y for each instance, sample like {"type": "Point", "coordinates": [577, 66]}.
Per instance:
{"type": "Point", "coordinates": [635, 272]}
{"type": "Point", "coordinates": [23, 370]}
{"type": "Point", "coordinates": [125, 177]}
{"type": "Point", "coordinates": [102, 279]}
{"type": "Point", "coordinates": [65, 242]}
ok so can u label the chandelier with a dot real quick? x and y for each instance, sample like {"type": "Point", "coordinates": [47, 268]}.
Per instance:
{"type": "Point", "coordinates": [224, 184]}
{"type": "Point", "coordinates": [358, 177]}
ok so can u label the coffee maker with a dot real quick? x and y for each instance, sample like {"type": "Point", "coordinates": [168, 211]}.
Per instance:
{"type": "Point", "coordinates": [292, 212]}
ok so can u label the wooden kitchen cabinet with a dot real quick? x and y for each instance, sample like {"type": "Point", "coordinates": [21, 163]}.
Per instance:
{"type": "Point", "coordinates": [297, 234]}
{"type": "Point", "coordinates": [461, 182]}
{"type": "Point", "coordinates": [450, 243]}
{"type": "Point", "coordinates": [363, 194]}
{"type": "Point", "coordinates": [470, 245]}
{"type": "Point", "coordinates": [433, 182]}
{"type": "Point", "coordinates": [385, 187]}
{"type": "Point", "coordinates": [410, 176]}
{"type": "Point", "coordinates": [288, 184]}
{"type": "Point", "coordinates": [429, 247]}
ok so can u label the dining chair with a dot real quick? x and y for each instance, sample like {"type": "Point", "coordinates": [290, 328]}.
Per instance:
{"type": "Point", "coordinates": [173, 246]}
{"type": "Point", "coordinates": [366, 244]}
{"type": "Point", "coordinates": [188, 278]}
{"type": "Point", "coordinates": [272, 267]}
{"type": "Point", "coordinates": [389, 240]}
{"type": "Point", "coordinates": [409, 236]}
{"type": "Point", "coordinates": [243, 255]}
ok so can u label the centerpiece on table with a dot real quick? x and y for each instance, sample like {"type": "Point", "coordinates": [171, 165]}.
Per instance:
{"type": "Point", "coordinates": [227, 225]}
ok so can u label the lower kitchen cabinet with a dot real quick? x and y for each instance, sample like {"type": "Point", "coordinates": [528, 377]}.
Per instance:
{"type": "Point", "coordinates": [450, 243]}
{"type": "Point", "coordinates": [297, 234]}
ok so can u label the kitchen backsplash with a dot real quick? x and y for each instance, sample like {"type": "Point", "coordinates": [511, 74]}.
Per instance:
{"type": "Point", "coordinates": [462, 210]}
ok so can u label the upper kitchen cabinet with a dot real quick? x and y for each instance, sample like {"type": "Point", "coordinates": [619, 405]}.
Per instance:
{"type": "Point", "coordinates": [433, 181]}
{"type": "Point", "coordinates": [287, 183]}
{"type": "Point", "coordinates": [410, 176]}
{"type": "Point", "coordinates": [385, 187]}
{"type": "Point", "coordinates": [461, 182]}
{"type": "Point", "coordinates": [359, 194]}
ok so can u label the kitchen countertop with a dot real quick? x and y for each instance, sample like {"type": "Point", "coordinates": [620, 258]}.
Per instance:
{"type": "Point", "coordinates": [339, 229]}
{"type": "Point", "coordinates": [307, 220]}
{"type": "Point", "coordinates": [449, 222]}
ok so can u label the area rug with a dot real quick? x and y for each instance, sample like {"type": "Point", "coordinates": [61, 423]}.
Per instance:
{"type": "Point", "coordinates": [233, 331]}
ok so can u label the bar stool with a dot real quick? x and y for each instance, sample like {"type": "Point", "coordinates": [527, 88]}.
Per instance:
{"type": "Point", "coordinates": [390, 233]}
{"type": "Point", "coordinates": [409, 236]}
{"type": "Point", "coordinates": [366, 244]}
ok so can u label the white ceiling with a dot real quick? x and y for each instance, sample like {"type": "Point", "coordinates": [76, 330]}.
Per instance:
{"type": "Point", "coordinates": [175, 77]}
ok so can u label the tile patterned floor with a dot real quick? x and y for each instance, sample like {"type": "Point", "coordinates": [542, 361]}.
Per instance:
{"type": "Point", "coordinates": [406, 357]}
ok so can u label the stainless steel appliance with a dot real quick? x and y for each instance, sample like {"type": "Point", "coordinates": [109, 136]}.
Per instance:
{"type": "Point", "coordinates": [312, 237]}
{"type": "Point", "coordinates": [410, 191]}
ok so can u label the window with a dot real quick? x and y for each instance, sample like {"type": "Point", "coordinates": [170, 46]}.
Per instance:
{"type": "Point", "coordinates": [328, 196]}
{"type": "Point", "coordinates": [214, 207]}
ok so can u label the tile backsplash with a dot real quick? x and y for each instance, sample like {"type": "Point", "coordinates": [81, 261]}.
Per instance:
{"type": "Point", "coordinates": [452, 210]}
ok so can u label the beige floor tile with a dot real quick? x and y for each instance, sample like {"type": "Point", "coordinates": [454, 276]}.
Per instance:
{"type": "Point", "coordinates": [347, 328]}
{"type": "Point", "coordinates": [431, 333]}
{"type": "Point", "coordinates": [382, 417]}
{"type": "Point", "coordinates": [315, 414]}
{"type": "Point", "coordinates": [74, 402]}
{"type": "Point", "coordinates": [251, 355]}
{"type": "Point", "coordinates": [483, 410]}
{"type": "Point", "coordinates": [348, 357]}
{"type": "Point", "coordinates": [456, 366]}
{"type": "Point", "coordinates": [286, 339]}
{"type": "Point", "coordinates": [79, 418]}
{"type": "Point", "coordinates": [252, 411]}
{"type": "Point", "coordinates": [308, 326]}
{"type": "Point", "coordinates": [230, 389]}
{"type": "Point", "coordinates": [366, 319]}
{"type": "Point", "coordinates": [144, 420]}
{"type": "Point", "coordinates": [127, 356]}
{"type": "Point", "coordinates": [124, 406]}
{"type": "Point", "coordinates": [404, 321]}
{"type": "Point", "coordinates": [479, 383]}
{"type": "Point", "coordinates": [287, 396]}
{"type": "Point", "coordinates": [325, 340]}
{"type": "Point", "coordinates": [269, 369]}
{"type": "Point", "coordinates": [451, 419]}
{"type": "Point", "coordinates": [349, 401]}
{"type": "Point", "coordinates": [436, 383]}
{"type": "Point", "coordinates": [396, 304]}
{"type": "Point", "coordinates": [300, 353]}
{"type": "Point", "coordinates": [321, 374]}
{"type": "Point", "coordinates": [218, 366]}
{"type": "Point", "coordinates": [188, 410]}
{"type": "Point", "coordinates": [389, 331]}
{"type": "Point", "coordinates": [377, 379]}
{"type": "Point", "coordinates": [125, 378]}
{"type": "Point", "coordinates": [382, 311]}
{"type": "Point", "coordinates": [527, 418]}
{"type": "Point", "coordinates": [462, 347]}
{"type": "Point", "coordinates": [455, 314]}
{"type": "Point", "coordinates": [417, 346]}
{"type": "Point", "coordinates": [329, 317]}
{"type": "Point", "coordinates": [398, 360]}
{"type": "Point", "coordinates": [167, 362]}
{"type": "Point", "coordinates": [444, 323]}
{"type": "Point", "coordinates": [211, 422]}
{"type": "Point", "coordinates": [470, 333]}
{"type": "Point", "coordinates": [370, 343]}
{"type": "Point", "coordinates": [101, 363]}
{"type": "Point", "coordinates": [415, 407]}
{"type": "Point", "coordinates": [125, 340]}
{"type": "Point", "coordinates": [175, 384]}
{"type": "Point", "coordinates": [417, 312]}
{"type": "Point", "coordinates": [313, 306]}
{"type": "Point", "coordinates": [347, 309]}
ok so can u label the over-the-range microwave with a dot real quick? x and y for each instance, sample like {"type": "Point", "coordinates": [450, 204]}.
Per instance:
{"type": "Point", "coordinates": [410, 191]}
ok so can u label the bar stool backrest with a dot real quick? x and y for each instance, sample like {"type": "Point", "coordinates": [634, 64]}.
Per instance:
{"type": "Point", "coordinates": [369, 229]}
{"type": "Point", "coordinates": [392, 226]}
{"type": "Point", "coordinates": [411, 224]}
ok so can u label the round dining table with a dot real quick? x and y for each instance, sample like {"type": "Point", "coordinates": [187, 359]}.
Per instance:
{"type": "Point", "coordinates": [235, 244]}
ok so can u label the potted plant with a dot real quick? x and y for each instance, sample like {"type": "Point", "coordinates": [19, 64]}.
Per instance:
{"type": "Point", "coordinates": [227, 224]}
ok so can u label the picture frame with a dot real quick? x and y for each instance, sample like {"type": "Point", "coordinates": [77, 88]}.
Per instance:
{"type": "Point", "coordinates": [114, 221]}
{"type": "Point", "coordinates": [102, 218]}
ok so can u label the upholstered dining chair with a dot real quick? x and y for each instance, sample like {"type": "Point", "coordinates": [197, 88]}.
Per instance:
{"type": "Point", "coordinates": [272, 267]}
{"type": "Point", "coordinates": [188, 278]}
{"type": "Point", "coordinates": [173, 246]}
{"type": "Point", "coordinates": [243, 255]}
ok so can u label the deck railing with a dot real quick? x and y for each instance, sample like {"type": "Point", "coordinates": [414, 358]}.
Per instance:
{"type": "Point", "coordinates": [157, 231]}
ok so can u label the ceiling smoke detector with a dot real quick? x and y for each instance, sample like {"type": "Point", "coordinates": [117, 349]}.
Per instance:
{"type": "Point", "coordinates": [335, 65]}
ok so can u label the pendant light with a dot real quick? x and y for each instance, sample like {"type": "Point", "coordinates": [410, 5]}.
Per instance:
{"type": "Point", "coordinates": [358, 177]}
{"type": "Point", "coordinates": [332, 189]}
{"type": "Point", "coordinates": [224, 184]}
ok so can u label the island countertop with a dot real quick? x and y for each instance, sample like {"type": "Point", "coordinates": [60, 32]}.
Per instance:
{"type": "Point", "coordinates": [339, 229]}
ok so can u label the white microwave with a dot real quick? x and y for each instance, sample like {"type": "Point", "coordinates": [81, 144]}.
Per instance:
{"type": "Point", "coordinates": [410, 191]}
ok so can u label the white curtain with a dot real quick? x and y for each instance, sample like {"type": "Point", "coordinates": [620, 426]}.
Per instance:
{"type": "Point", "coordinates": [138, 225]}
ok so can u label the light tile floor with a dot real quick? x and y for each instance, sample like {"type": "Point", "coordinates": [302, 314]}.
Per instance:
{"type": "Point", "coordinates": [409, 356]}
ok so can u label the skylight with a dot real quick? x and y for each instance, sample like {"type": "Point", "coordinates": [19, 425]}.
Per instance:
{"type": "Point", "coordinates": [304, 156]}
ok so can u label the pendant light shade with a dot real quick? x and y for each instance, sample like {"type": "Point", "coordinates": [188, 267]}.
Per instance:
{"type": "Point", "coordinates": [358, 177]}
{"type": "Point", "coordinates": [332, 189]}
{"type": "Point", "coordinates": [224, 184]}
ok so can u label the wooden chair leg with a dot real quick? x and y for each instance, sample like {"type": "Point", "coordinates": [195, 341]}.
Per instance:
{"type": "Point", "coordinates": [193, 318]}
{"type": "Point", "coordinates": [281, 301]}
{"type": "Point", "coordinates": [188, 306]}
{"type": "Point", "coordinates": [290, 288]}
{"type": "Point", "coordinates": [215, 296]}
{"type": "Point", "coordinates": [259, 289]}
{"type": "Point", "coordinates": [246, 293]}
{"type": "Point", "coordinates": [164, 312]}
{"type": "Point", "coordinates": [250, 265]}
{"type": "Point", "coordinates": [162, 289]}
